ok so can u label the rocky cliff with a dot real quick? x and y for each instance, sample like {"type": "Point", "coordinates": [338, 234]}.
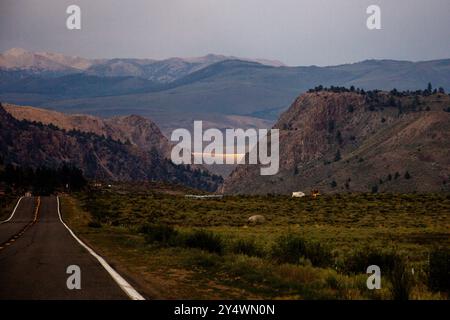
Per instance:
{"type": "Point", "coordinates": [348, 141]}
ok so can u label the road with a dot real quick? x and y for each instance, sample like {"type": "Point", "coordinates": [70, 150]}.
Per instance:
{"type": "Point", "coordinates": [35, 252]}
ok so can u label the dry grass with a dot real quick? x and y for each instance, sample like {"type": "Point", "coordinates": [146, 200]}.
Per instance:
{"type": "Point", "coordinates": [410, 225]}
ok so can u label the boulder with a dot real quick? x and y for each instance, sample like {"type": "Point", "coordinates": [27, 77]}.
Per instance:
{"type": "Point", "coordinates": [256, 219]}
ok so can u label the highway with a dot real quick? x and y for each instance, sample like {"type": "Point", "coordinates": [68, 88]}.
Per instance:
{"type": "Point", "coordinates": [36, 249]}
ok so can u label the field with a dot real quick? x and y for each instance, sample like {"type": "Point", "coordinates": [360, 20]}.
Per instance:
{"type": "Point", "coordinates": [173, 247]}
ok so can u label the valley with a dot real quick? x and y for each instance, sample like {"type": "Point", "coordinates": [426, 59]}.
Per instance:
{"type": "Point", "coordinates": [364, 145]}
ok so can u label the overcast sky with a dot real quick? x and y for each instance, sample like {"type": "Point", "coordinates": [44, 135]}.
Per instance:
{"type": "Point", "coordinates": [297, 32]}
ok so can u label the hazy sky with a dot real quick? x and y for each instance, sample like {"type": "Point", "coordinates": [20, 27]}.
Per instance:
{"type": "Point", "coordinates": [297, 32]}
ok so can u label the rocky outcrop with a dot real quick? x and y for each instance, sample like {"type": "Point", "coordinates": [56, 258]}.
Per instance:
{"type": "Point", "coordinates": [357, 142]}
{"type": "Point", "coordinates": [33, 144]}
{"type": "Point", "coordinates": [133, 129]}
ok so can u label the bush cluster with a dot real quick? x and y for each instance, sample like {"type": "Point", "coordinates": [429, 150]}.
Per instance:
{"type": "Point", "coordinates": [167, 235]}
{"type": "Point", "coordinates": [291, 248]}
{"type": "Point", "coordinates": [439, 270]}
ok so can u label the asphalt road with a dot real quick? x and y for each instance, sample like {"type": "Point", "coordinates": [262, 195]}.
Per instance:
{"type": "Point", "coordinates": [34, 258]}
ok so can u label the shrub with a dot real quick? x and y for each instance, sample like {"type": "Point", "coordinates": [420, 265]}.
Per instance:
{"type": "Point", "coordinates": [94, 224]}
{"type": "Point", "coordinates": [392, 265]}
{"type": "Point", "coordinates": [159, 233]}
{"type": "Point", "coordinates": [319, 255]}
{"type": "Point", "coordinates": [247, 247]}
{"type": "Point", "coordinates": [439, 270]}
{"type": "Point", "coordinates": [204, 240]}
{"type": "Point", "coordinates": [402, 281]}
{"type": "Point", "coordinates": [359, 260]}
{"type": "Point", "coordinates": [290, 248]}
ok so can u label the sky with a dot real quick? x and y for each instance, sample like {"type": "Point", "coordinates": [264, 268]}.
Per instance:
{"type": "Point", "coordinates": [296, 32]}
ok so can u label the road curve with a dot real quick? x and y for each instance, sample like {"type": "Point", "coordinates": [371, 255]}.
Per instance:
{"type": "Point", "coordinates": [33, 264]}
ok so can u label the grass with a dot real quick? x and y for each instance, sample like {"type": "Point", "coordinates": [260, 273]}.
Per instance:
{"type": "Point", "coordinates": [306, 249]}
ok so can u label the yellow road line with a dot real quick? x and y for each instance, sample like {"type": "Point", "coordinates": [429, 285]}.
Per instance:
{"type": "Point", "coordinates": [21, 232]}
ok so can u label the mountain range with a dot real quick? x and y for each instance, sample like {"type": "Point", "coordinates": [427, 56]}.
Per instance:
{"type": "Point", "coordinates": [383, 132]}
{"type": "Point", "coordinates": [223, 91]}
{"type": "Point", "coordinates": [162, 71]}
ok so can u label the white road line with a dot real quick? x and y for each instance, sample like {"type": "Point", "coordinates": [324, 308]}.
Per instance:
{"type": "Point", "coordinates": [123, 284]}
{"type": "Point", "coordinates": [14, 211]}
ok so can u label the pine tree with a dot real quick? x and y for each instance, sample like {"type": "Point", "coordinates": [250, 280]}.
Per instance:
{"type": "Point", "coordinates": [337, 156]}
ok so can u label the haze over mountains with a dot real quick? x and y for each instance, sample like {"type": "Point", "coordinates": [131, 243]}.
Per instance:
{"type": "Point", "coordinates": [223, 91]}
{"type": "Point", "coordinates": [162, 71]}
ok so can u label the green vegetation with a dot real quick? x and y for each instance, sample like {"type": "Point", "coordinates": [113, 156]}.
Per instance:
{"type": "Point", "coordinates": [439, 270]}
{"type": "Point", "coordinates": [291, 248]}
{"type": "Point", "coordinates": [358, 260]}
{"type": "Point", "coordinates": [159, 233]}
{"type": "Point", "coordinates": [205, 240]}
{"type": "Point", "coordinates": [247, 247]}
{"type": "Point", "coordinates": [307, 248]}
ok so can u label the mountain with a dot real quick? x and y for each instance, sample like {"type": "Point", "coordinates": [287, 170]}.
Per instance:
{"type": "Point", "coordinates": [136, 130]}
{"type": "Point", "coordinates": [160, 71]}
{"type": "Point", "coordinates": [20, 59]}
{"type": "Point", "coordinates": [133, 129]}
{"type": "Point", "coordinates": [344, 141]}
{"type": "Point", "coordinates": [33, 144]}
{"type": "Point", "coordinates": [230, 87]}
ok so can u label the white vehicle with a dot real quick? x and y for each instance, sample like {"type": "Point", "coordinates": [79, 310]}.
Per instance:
{"type": "Point", "coordinates": [298, 194]}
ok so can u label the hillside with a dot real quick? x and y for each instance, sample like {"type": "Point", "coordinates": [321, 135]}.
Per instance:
{"type": "Point", "coordinates": [136, 130]}
{"type": "Point", "coordinates": [358, 142]}
{"type": "Point", "coordinates": [33, 144]}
